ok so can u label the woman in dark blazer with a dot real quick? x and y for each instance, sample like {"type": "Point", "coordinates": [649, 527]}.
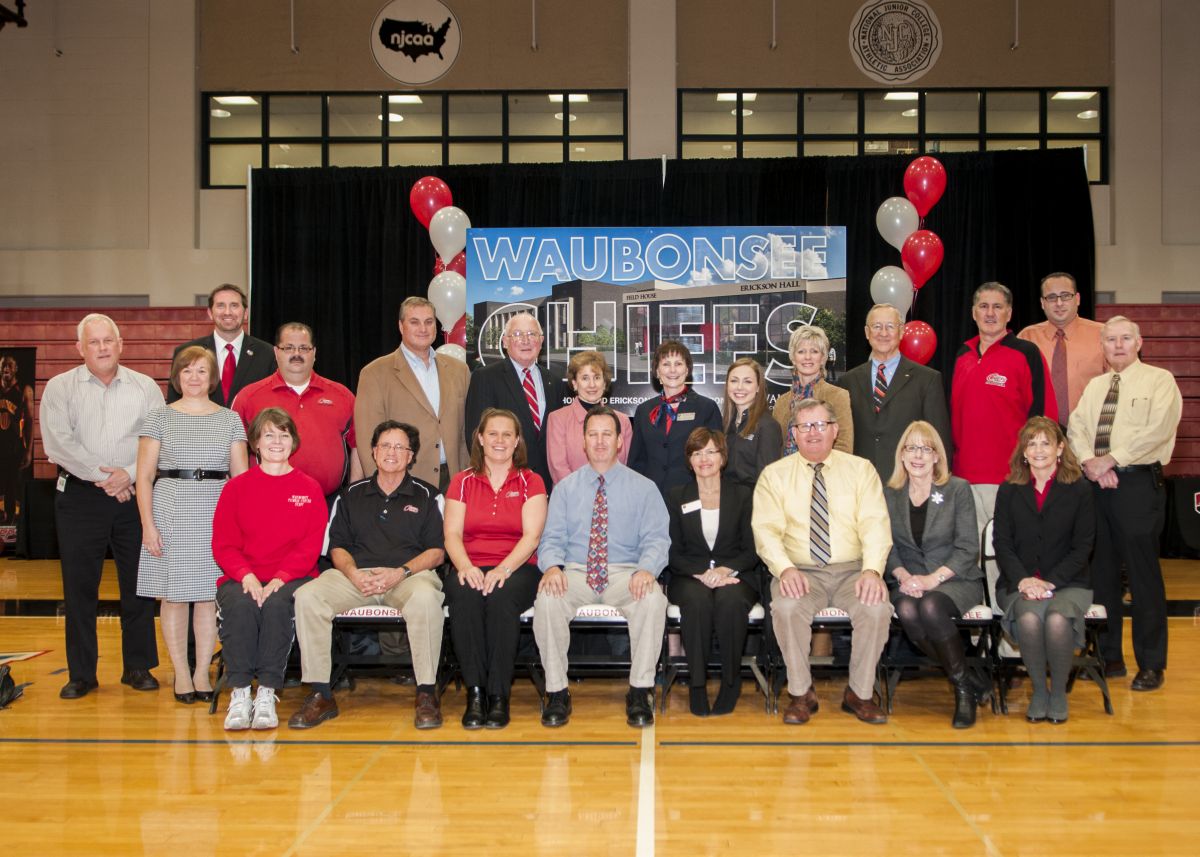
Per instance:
{"type": "Point", "coordinates": [1045, 525]}
{"type": "Point", "coordinates": [932, 570]}
{"type": "Point", "coordinates": [712, 562]}
{"type": "Point", "coordinates": [657, 447]}
{"type": "Point", "coordinates": [753, 437]}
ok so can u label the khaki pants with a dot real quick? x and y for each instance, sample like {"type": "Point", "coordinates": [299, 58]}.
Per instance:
{"type": "Point", "coordinates": [552, 615]}
{"type": "Point", "coordinates": [419, 599]}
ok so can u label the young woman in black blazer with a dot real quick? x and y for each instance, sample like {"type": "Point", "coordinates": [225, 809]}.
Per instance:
{"type": "Point", "coordinates": [752, 435]}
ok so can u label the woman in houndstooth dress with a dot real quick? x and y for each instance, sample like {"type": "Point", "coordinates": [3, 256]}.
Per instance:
{"type": "Point", "coordinates": [192, 446]}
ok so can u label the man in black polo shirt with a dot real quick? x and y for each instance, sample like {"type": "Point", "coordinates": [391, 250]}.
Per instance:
{"type": "Point", "coordinates": [385, 542]}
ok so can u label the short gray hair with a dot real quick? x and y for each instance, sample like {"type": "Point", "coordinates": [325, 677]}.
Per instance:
{"type": "Point", "coordinates": [812, 404]}
{"type": "Point", "coordinates": [1121, 319]}
{"type": "Point", "coordinates": [92, 318]}
{"type": "Point", "coordinates": [508, 324]}
{"type": "Point", "coordinates": [993, 286]}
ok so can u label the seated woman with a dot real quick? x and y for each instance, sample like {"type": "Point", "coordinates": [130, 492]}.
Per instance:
{"type": "Point", "coordinates": [809, 349]}
{"type": "Point", "coordinates": [712, 563]}
{"type": "Point", "coordinates": [267, 535]}
{"type": "Point", "coordinates": [589, 376]}
{"type": "Point", "coordinates": [753, 438]}
{"type": "Point", "coordinates": [932, 570]}
{"type": "Point", "coordinates": [1044, 529]}
{"type": "Point", "coordinates": [495, 511]}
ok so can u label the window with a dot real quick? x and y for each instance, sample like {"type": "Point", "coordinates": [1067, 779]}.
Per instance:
{"type": "Point", "coordinates": [350, 129]}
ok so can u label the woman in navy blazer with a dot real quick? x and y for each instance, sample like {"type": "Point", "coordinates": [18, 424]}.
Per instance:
{"type": "Point", "coordinates": [713, 568]}
{"type": "Point", "coordinates": [661, 425]}
{"type": "Point", "coordinates": [1044, 529]}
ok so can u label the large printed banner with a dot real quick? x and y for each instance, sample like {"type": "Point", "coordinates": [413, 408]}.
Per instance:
{"type": "Point", "coordinates": [725, 292]}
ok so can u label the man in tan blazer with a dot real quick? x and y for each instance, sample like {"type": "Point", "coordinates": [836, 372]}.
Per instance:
{"type": "Point", "coordinates": [417, 386]}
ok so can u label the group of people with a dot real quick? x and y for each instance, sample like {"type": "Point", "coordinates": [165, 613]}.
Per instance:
{"type": "Point", "coordinates": [492, 492]}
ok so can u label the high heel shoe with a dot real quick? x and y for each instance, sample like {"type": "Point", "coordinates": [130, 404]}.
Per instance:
{"type": "Point", "coordinates": [204, 695]}
{"type": "Point", "coordinates": [186, 698]}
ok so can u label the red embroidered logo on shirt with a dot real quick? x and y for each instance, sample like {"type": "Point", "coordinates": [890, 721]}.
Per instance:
{"type": "Point", "coordinates": [300, 500]}
{"type": "Point", "coordinates": [324, 401]}
{"type": "Point", "coordinates": [512, 494]}
{"type": "Point", "coordinates": [411, 508]}
{"type": "Point", "coordinates": [997, 380]}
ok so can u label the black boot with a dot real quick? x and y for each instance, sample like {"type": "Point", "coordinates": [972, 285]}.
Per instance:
{"type": "Point", "coordinates": [953, 660]}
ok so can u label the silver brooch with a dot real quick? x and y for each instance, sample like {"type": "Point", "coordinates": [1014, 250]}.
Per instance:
{"type": "Point", "coordinates": [937, 497]}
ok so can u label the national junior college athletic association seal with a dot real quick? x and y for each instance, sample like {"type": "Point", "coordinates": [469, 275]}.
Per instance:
{"type": "Point", "coordinates": [895, 40]}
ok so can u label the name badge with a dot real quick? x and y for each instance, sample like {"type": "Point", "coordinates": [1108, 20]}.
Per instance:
{"type": "Point", "coordinates": [62, 484]}
{"type": "Point", "coordinates": [684, 417]}
{"type": "Point", "coordinates": [693, 506]}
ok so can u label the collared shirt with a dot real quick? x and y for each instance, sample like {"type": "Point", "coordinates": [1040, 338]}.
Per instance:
{"type": "Point", "coordinates": [222, 355]}
{"type": "Point", "coordinates": [87, 425]}
{"type": "Point", "coordinates": [379, 529]}
{"type": "Point", "coordinates": [492, 523]}
{"type": "Point", "coordinates": [324, 415]}
{"type": "Point", "coordinates": [859, 526]}
{"type": "Point", "coordinates": [537, 384]}
{"type": "Point", "coordinates": [1149, 406]}
{"type": "Point", "coordinates": [427, 377]}
{"type": "Point", "coordinates": [889, 367]}
{"type": "Point", "coordinates": [1085, 355]}
{"type": "Point", "coordinates": [638, 523]}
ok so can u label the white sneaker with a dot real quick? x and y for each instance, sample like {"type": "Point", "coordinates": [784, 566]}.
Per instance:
{"type": "Point", "coordinates": [264, 709]}
{"type": "Point", "coordinates": [238, 717]}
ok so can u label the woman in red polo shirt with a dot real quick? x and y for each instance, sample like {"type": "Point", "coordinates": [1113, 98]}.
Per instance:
{"type": "Point", "coordinates": [495, 511]}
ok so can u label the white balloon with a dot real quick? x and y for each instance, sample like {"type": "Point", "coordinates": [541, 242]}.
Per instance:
{"type": "Point", "coordinates": [891, 285]}
{"type": "Point", "coordinates": [448, 294]}
{"type": "Point", "coordinates": [448, 232]}
{"type": "Point", "coordinates": [897, 219]}
{"type": "Point", "coordinates": [456, 352]}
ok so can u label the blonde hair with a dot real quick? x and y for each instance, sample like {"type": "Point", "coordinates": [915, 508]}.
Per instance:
{"type": "Point", "coordinates": [941, 472]}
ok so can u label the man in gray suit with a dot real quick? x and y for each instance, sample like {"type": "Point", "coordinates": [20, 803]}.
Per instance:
{"type": "Point", "coordinates": [890, 391]}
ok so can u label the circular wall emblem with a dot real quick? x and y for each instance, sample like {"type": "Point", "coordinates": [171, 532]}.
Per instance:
{"type": "Point", "coordinates": [895, 40]}
{"type": "Point", "coordinates": [415, 41]}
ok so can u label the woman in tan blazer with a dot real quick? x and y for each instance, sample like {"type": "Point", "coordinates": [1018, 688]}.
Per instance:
{"type": "Point", "coordinates": [809, 349]}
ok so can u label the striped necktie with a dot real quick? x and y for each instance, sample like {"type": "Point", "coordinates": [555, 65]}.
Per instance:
{"type": "Point", "coordinates": [818, 519]}
{"type": "Point", "coordinates": [532, 398]}
{"type": "Point", "coordinates": [1107, 412]}
{"type": "Point", "coordinates": [880, 389]}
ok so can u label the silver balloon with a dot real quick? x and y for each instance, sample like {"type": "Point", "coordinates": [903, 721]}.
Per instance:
{"type": "Point", "coordinates": [455, 352]}
{"type": "Point", "coordinates": [448, 232]}
{"type": "Point", "coordinates": [896, 219]}
{"type": "Point", "coordinates": [891, 285]}
{"type": "Point", "coordinates": [448, 294]}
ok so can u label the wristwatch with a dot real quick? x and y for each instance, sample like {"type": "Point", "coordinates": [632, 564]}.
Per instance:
{"type": "Point", "coordinates": [407, 572]}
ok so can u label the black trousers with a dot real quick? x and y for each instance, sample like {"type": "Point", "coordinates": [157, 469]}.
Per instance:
{"type": "Point", "coordinates": [485, 630]}
{"type": "Point", "coordinates": [1129, 521]}
{"type": "Point", "coordinates": [701, 610]}
{"type": "Point", "coordinates": [255, 641]}
{"type": "Point", "coordinates": [89, 523]}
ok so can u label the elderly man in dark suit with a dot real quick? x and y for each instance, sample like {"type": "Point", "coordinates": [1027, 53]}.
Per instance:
{"type": "Point", "coordinates": [890, 391]}
{"type": "Point", "coordinates": [252, 359]}
{"type": "Point", "coordinates": [520, 385]}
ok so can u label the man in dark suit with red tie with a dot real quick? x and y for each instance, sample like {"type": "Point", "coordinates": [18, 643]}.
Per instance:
{"type": "Point", "coordinates": [252, 359]}
{"type": "Point", "coordinates": [520, 385]}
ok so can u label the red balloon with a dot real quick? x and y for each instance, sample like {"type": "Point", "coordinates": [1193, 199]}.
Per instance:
{"type": "Point", "coordinates": [924, 183]}
{"type": "Point", "coordinates": [427, 197]}
{"type": "Point", "coordinates": [458, 265]}
{"type": "Point", "coordinates": [922, 255]}
{"type": "Point", "coordinates": [918, 342]}
{"type": "Point", "coordinates": [458, 333]}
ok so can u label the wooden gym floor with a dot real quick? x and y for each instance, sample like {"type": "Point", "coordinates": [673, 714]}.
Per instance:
{"type": "Point", "coordinates": [121, 772]}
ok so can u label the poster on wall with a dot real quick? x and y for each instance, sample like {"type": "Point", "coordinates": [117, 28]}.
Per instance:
{"type": "Point", "coordinates": [17, 373]}
{"type": "Point", "coordinates": [724, 292]}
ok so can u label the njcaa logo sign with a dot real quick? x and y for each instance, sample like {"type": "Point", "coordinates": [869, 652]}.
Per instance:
{"type": "Point", "coordinates": [415, 41]}
{"type": "Point", "coordinates": [895, 40]}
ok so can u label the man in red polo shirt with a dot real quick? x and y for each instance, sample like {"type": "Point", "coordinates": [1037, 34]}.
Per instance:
{"type": "Point", "coordinates": [323, 409]}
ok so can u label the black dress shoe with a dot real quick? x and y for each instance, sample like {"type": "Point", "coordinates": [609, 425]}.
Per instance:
{"type": "Point", "coordinates": [139, 680]}
{"type": "Point", "coordinates": [1147, 680]}
{"type": "Point", "coordinates": [186, 698]}
{"type": "Point", "coordinates": [204, 695]}
{"type": "Point", "coordinates": [77, 689]}
{"type": "Point", "coordinates": [639, 706]}
{"type": "Point", "coordinates": [497, 716]}
{"type": "Point", "coordinates": [476, 711]}
{"type": "Point", "coordinates": [557, 710]}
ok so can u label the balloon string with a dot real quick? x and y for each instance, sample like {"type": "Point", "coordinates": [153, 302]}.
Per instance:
{"type": "Point", "coordinates": [912, 309]}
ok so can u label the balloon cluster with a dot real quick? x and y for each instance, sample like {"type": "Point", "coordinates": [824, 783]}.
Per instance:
{"type": "Point", "coordinates": [899, 221]}
{"type": "Point", "coordinates": [432, 204]}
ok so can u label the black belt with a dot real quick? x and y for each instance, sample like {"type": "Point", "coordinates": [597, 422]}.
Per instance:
{"type": "Point", "coordinates": [1134, 468]}
{"type": "Point", "coordinates": [193, 475]}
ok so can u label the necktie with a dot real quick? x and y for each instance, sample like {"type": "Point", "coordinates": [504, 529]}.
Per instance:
{"type": "Point", "coordinates": [1058, 374]}
{"type": "Point", "coordinates": [880, 389]}
{"type": "Point", "coordinates": [597, 561]}
{"type": "Point", "coordinates": [1107, 412]}
{"type": "Point", "coordinates": [532, 399]}
{"type": "Point", "coordinates": [227, 371]}
{"type": "Point", "coordinates": [818, 519]}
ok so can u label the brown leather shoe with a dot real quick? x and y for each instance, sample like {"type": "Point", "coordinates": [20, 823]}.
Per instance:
{"type": "Point", "coordinates": [315, 711]}
{"type": "Point", "coordinates": [864, 709]}
{"type": "Point", "coordinates": [800, 708]}
{"type": "Point", "coordinates": [429, 711]}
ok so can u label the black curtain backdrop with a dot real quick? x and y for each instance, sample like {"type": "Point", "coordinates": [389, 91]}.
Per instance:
{"type": "Point", "coordinates": [339, 249]}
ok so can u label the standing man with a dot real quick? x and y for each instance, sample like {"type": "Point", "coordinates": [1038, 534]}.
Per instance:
{"type": "Point", "coordinates": [520, 385]}
{"type": "Point", "coordinates": [424, 389]}
{"type": "Point", "coordinates": [1070, 344]}
{"type": "Point", "coordinates": [1123, 432]}
{"type": "Point", "coordinates": [385, 540]}
{"type": "Point", "coordinates": [605, 542]}
{"type": "Point", "coordinates": [999, 382]}
{"type": "Point", "coordinates": [822, 528]}
{"type": "Point", "coordinates": [16, 436]}
{"type": "Point", "coordinates": [241, 359]}
{"type": "Point", "coordinates": [90, 418]}
{"type": "Point", "coordinates": [323, 409]}
{"type": "Point", "coordinates": [890, 391]}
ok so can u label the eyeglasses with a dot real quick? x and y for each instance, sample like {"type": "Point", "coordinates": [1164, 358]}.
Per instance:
{"type": "Point", "coordinates": [296, 349]}
{"type": "Point", "coordinates": [389, 447]}
{"type": "Point", "coordinates": [913, 449]}
{"type": "Point", "coordinates": [522, 336]}
{"type": "Point", "coordinates": [706, 453]}
{"type": "Point", "coordinates": [820, 426]}
{"type": "Point", "coordinates": [1059, 297]}
{"type": "Point", "coordinates": [880, 327]}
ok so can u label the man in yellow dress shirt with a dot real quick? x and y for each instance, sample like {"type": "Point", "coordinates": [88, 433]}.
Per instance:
{"type": "Point", "coordinates": [1123, 432]}
{"type": "Point", "coordinates": [822, 528]}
